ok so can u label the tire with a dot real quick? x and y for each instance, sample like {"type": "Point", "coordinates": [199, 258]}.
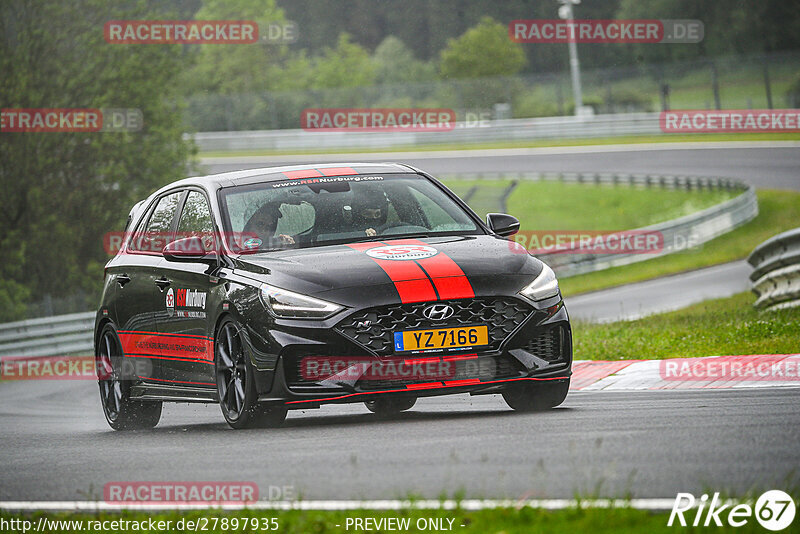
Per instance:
{"type": "Point", "coordinates": [236, 386]}
{"type": "Point", "coordinates": [389, 407]}
{"type": "Point", "coordinates": [536, 397]}
{"type": "Point", "coordinates": [121, 412]}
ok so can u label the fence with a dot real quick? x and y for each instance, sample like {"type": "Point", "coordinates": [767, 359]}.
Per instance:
{"type": "Point", "coordinates": [736, 82]}
{"type": "Point", "coordinates": [499, 130]}
{"type": "Point", "coordinates": [776, 274]}
{"type": "Point", "coordinates": [48, 336]}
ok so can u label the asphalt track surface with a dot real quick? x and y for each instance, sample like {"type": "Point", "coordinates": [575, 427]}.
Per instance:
{"type": "Point", "coordinates": [57, 446]}
{"type": "Point", "coordinates": [768, 165]}
{"type": "Point", "coordinates": [633, 301]}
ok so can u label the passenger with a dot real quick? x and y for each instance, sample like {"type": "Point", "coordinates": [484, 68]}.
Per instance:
{"type": "Point", "coordinates": [262, 225]}
{"type": "Point", "coordinates": [370, 210]}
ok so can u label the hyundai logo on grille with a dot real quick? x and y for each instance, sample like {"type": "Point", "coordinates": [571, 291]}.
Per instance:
{"type": "Point", "coordinates": [438, 312]}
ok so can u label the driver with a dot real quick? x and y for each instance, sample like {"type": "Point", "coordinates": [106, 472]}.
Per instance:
{"type": "Point", "coordinates": [370, 210]}
{"type": "Point", "coordinates": [263, 224]}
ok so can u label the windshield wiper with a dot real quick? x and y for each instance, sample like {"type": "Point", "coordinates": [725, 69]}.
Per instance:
{"type": "Point", "coordinates": [366, 239]}
{"type": "Point", "coordinates": [389, 237]}
{"type": "Point", "coordinates": [407, 236]}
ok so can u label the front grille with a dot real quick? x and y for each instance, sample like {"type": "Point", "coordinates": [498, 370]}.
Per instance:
{"type": "Point", "coordinates": [547, 345]}
{"type": "Point", "coordinates": [374, 328]}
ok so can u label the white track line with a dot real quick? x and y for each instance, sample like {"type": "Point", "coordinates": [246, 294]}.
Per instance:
{"type": "Point", "coordinates": [659, 504]}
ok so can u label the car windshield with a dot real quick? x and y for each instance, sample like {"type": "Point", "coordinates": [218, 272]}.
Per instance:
{"type": "Point", "coordinates": [322, 211]}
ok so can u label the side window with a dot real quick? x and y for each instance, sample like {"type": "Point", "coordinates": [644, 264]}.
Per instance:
{"type": "Point", "coordinates": [155, 235]}
{"type": "Point", "coordinates": [196, 220]}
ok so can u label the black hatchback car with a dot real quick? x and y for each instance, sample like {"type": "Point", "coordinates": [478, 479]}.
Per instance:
{"type": "Point", "coordinates": [282, 288]}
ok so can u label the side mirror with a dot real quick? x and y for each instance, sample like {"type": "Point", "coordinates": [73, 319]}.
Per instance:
{"type": "Point", "coordinates": [502, 224]}
{"type": "Point", "coordinates": [189, 250]}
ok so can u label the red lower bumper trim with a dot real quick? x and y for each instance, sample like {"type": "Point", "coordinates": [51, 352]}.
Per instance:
{"type": "Point", "coordinates": [447, 385]}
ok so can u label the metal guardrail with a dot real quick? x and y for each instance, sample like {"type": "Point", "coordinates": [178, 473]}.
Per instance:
{"type": "Point", "coordinates": [678, 234]}
{"type": "Point", "coordinates": [496, 130]}
{"type": "Point", "coordinates": [776, 274]}
{"type": "Point", "coordinates": [72, 334]}
{"type": "Point", "coordinates": [48, 336]}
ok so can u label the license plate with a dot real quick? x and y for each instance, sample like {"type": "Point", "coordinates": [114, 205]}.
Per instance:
{"type": "Point", "coordinates": [441, 338]}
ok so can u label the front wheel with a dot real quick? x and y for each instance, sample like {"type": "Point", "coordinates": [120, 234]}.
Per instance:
{"type": "Point", "coordinates": [236, 385]}
{"type": "Point", "coordinates": [537, 396]}
{"type": "Point", "coordinates": [122, 413]}
{"type": "Point", "coordinates": [389, 407]}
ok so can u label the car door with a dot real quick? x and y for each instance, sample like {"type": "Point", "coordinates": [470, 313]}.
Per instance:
{"type": "Point", "coordinates": [138, 294]}
{"type": "Point", "coordinates": [188, 356]}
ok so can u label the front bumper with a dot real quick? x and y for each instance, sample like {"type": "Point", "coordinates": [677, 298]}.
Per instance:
{"type": "Point", "coordinates": [538, 349]}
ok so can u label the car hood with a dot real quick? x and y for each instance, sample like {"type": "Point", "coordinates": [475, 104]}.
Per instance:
{"type": "Point", "coordinates": [454, 266]}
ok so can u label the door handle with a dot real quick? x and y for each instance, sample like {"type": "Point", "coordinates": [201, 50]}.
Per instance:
{"type": "Point", "coordinates": [163, 283]}
{"type": "Point", "coordinates": [123, 279]}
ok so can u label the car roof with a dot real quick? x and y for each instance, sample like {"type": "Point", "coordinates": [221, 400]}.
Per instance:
{"type": "Point", "coordinates": [269, 174]}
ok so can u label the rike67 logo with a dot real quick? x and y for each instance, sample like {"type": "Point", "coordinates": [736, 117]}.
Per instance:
{"type": "Point", "coordinates": [774, 510]}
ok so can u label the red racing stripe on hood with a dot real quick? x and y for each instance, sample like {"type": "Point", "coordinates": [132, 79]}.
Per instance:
{"type": "Point", "coordinates": [409, 279]}
{"type": "Point", "coordinates": [447, 276]}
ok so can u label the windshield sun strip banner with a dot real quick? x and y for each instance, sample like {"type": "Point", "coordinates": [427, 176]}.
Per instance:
{"type": "Point", "coordinates": [305, 173]}
{"type": "Point", "coordinates": [338, 171]}
{"type": "Point", "coordinates": [325, 171]}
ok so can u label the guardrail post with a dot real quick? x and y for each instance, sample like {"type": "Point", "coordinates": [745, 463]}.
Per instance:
{"type": "Point", "coordinates": [776, 271]}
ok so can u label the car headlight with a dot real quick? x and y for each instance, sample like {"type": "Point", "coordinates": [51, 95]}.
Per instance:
{"type": "Point", "coordinates": [543, 286]}
{"type": "Point", "coordinates": [290, 305]}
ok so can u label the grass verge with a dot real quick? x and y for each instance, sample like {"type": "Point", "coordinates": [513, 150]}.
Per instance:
{"type": "Point", "coordinates": [499, 520]}
{"type": "Point", "coordinates": [720, 327]}
{"type": "Point", "coordinates": [551, 205]}
{"type": "Point", "coordinates": [566, 206]}
{"type": "Point", "coordinates": [778, 211]}
{"type": "Point", "coordinates": [537, 143]}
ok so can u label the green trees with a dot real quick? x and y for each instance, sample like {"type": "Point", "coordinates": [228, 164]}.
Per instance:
{"type": "Point", "coordinates": [63, 191]}
{"type": "Point", "coordinates": [482, 51]}
{"type": "Point", "coordinates": [395, 63]}
{"type": "Point", "coordinates": [236, 68]}
{"type": "Point", "coordinates": [345, 65]}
